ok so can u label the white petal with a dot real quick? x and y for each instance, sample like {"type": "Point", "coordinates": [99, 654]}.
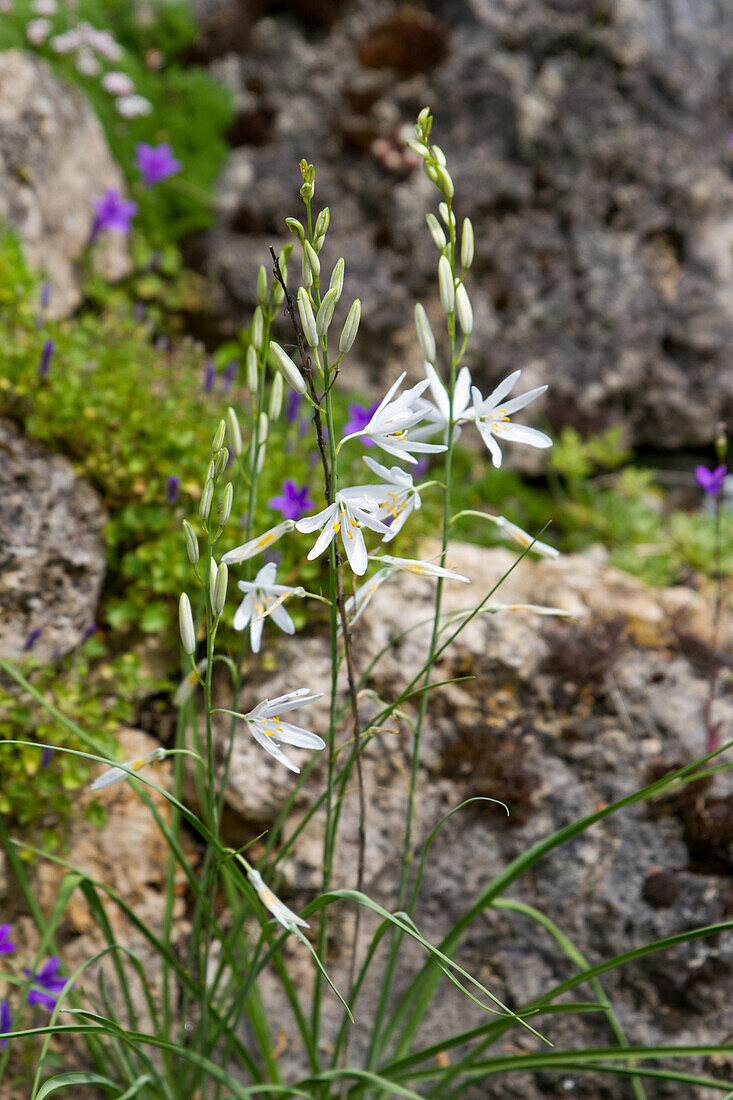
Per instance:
{"type": "Point", "coordinates": [517, 403]}
{"type": "Point", "coordinates": [243, 613]}
{"type": "Point", "coordinates": [438, 390]}
{"type": "Point", "coordinates": [281, 618]}
{"type": "Point", "coordinates": [266, 574]}
{"type": "Point", "coordinates": [388, 397]}
{"type": "Point", "coordinates": [312, 523]}
{"type": "Point", "coordinates": [369, 521]}
{"type": "Point", "coordinates": [503, 389]}
{"type": "Point", "coordinates": [300, 738]}
{"type": "Point", "coordinates": [488, 438]}
{"type": "Point", "coordinates": [326, 536]}
{"type": "Point", "coordinates": [255, 634]}
{"type": "Point", "coordinates": [517, 433]}
{"type": "Point", "coordinates": [461, 392]}
{"type": "Point", "coordinates": [353, 542]}
{"type": "Point", "coordinates": [269, 745]}
{"type": "Point", "coordinates": [292, 701]}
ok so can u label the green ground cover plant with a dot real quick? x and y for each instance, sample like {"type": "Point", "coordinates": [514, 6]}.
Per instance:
{"type": "Point", "coordinates": [186, 1035]}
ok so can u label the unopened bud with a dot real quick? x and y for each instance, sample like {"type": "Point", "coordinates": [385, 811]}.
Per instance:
{"type": "Point", "coordinates": [185, 623]}
{"type": "Point", "coordinates": [351, 327]}
{"type": "Point", "coordinates": [258, 329]}
{"type": "Point", "coordinates": [297, 230]}
{"type": "Point", "coordinates": [322, 223]}
{"type": "Point", "coordinates": [436, 231]}
{"type": "Point", "coordinates": [222, 461]}
{"type": "Point", "coordinates": [263, 428]}
{"type": "Point", "coordinates": [307, 319]}
{"type": "Point", "coordinates": [206, 498]}
{"type": "Point", "coordinates": [306, 271]}
{"type": "Point", "coordinates": [425, 332]}
{"type": "Point", "coordinates": [290, 372]}
{"type": "Point", "coordinates": [431, 171]}
{"type": "Point", "coordinates": [313, 262]}
{"type": "Point", "coordinates": [219, 437]}
{"type": "Point", "coordinates": [464, 313]}
{"type": "Point", "coordinates": [424, 117]}
{"type": "Point", "coordinates": [192, 543]}
{"type": "Point", "coordinates": [211, 470]}
{"type": "Point", "coordinates": [253, 381]}
{"type": "Point", "coordinates": [325, 312]}
{"type": "Point", "coordinates": [262, 285]}
{"type": "Point", "coordinates": [234, 432]}
{"type": "Point", "coordinates": [277, 292]}
{"type": "Point", "coordinates": [444, 181]}
{"type": "Point", "coordinates": [438, 155]}
{"type": "Point", "coordinates": [418, 147]}
{"type": "Point", "coordinates": [261, 457]}
{"type": "Point", "coordinates": [220, 591]}
{"type": "Point", "coordinates": [224, 508]}
{"type": "Point", "coordinates": [446, 214]}
{"type": "Point", "coordinates": [213, 573]}
{"type": "Point", "coordinates": [446, 285]}
{"type": "Point", "coordinates": [337, 277]}
{"type": "Point", "coordinates": [276, 397]}
{"type": "Point", "coordinates": [467, 243]}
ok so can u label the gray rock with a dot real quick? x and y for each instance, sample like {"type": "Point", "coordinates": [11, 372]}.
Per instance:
{"type": "Point", "coordinates": [52, 558]}
{"type": "Point", "coordinates": [590, 147]}
{"type": "Point", "coordinates": [556, 719]}
{"type": "Point", "coordinates": [54, 162]}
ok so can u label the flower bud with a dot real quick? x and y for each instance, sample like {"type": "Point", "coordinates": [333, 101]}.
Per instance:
{"type": "Point", "coordinates": [234, 432]}
{"type": "Point", "coordinates": [307, 319]}
{"type": "Point", "coordinates": [276, 397]}
{"type": "Point", "coordinates": [206, 498]}
{"type": "Point", "coordinates": [438, 155]}
{"type": "Point", "coordinates": [424, 117]}
{"type": "Point", "coordinates": [306, 271]}
{"type": "Point", "coordinates": [297, 230]}
{"type": "Point", "coordinates": [290, 372]}
{"type": "Point", "coordinates": [418, 147]}
{"type": "Point", "coordinates": [337, 277]}
{"type": "Point", "coordinates": [431, 171]}
{"type": "Point", "coordinates": [464, 312]}
{"type": "Point", "coordinates": [436, 231]}
{"type": "Point", "coordinates": [425, 332]}
{"type": "Point", "coordinates": [220, 590]}
{"type": "Point", "coordinates": [258, 328]}
{"type": "Point", "coordinates": [444, 181]}
{"type": "Point", "coordinates": [222, 461]}
{"type": "Point", "coordinates": [277, 292]}
{"type": "Point", "coordinates": [325, 312]}
{"type": "Point", "coordinates": [262, 285]}
{"type": "Point", "coordinates": [313, 262]}
{"type": "Point", "coordinates": [446, 214]}
{"type": "Point", "coordinates": [263, 428]}
{"type": "Point", "coordinates": [224, 508]}
{"type": "Point", "coordinates": [261, 457]}
{"type": "Point", "coordinates": [446, 285]}
{"type": "Point", "coordinates": [219, 437]}
{"type": "Point", "coordinates": [192, 543]}
{"type": "Point", "coordinates": [253, 381]}
{"type": "Point", "coordinates": [467, 243]}
{"type": "Point", "coordinates": [213, 572]}
{"type": "Point", "coordinates": [322, 223]}
{"type": "Point", "coordinates": [211, 470]}
{"type": "Point", "coordinates": [351, 327]}
{"type": "Point", "coordinates": [185, 623]}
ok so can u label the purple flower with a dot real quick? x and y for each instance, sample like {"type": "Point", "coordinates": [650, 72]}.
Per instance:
{"type": "Point", "coordinates": [230, 374]}
{"type": "Point", "coordinates": [5, 943]}
{"type": "Point", "coordinates": [156, 162]}
{"type": "Point", "coordinates": [45, 295]}
{"type": "Point", "coordinates": [293, 406]}
{"type": "Point", "coordinates": [113, 213]}
{"type": "Point", "coordinates": [89, 629]}
{"type": "Point", "coordinates": [5, 1022]}
{"type": "Point", "coordinates": [50, 984]}
{"type": "Point", "coordinates": [209, 376]}
{"type": "Point", "coordinates": [294, 502]}
{"type": "Point", "coordinates": [46, 756]}
{"type": "Point", "coordinates": [46, 354]}
{"type": "Point", "coordinates": [174, 484]}
{"type": "Point", "coordinates": [711, 480]}
{"type": "Point", "coordinates": [359, 417]}
{"type": "Point", "coordinates": [33, 637]}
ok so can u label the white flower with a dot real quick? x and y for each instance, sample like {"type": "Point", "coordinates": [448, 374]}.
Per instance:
{"type": "Point", "coordinates": [86, 63]}
{"type": "Point", "coordinates": [66, 42]}
{"type": "Point", "coordinates": [263, 598]}
{"type": "Point", "coordinates": [38, 31]}
{"type": "Point", "coordinates": [492, 417]}
{"type": "Point", "coordinates": [287, 918]}
{"type": "Point", "coordinates": [116, 775]}
{"type": "Point", "coordinates": [102, 41]}
{"type": "Point", "coordinates": [267, 729]}
{"type": "Point", "coordinates": [524, 538]}
{"type": "Point", "coordinates": [358, 603]}
{"type": "Point", "coordinates": [133, 106]}
{"type": "Point", "coordinates": [438, 414]}
{"type": "Point", "coordinates": [398, 496]}
{"type": "Point", "coordinates": [390, 424]}
{"type": "Point", "coordinates": [117, 84]}
{"type": "Point", "coordinates": [255, 546]}
{"type": "Point", "coordinates": [188, 685]}
{"type": "Point", "coordinates": [44, 7]}
{"type": "Point", "coordinates": [346, 515]}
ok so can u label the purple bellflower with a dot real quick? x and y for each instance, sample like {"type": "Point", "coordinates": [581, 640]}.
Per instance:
{"type": "Point", "coordinates": [156, 163]}
{"type": "Point", "coordinates": [209, 376]}
{"type": "Point", "coordinates": [172, 487]}
{"type": "Point", "coordinates": [47, 351]}
{"type": "Point", "coordinates": [5, 943]}
{"type": "Point", "coordinates": [6, 1022]}
{"type": "Point", "coordinates": [46, 756]}
{"type": "Point", "coordinates": [359, 417]}
{"type": "Point", "coordinates": [45, 295]}
{"type": "Point", "coordinates": [112, 213]}
{"type": "Point", "coordinates": [32, 638]}
{"type": "Point", "coordinates": [50, 984]}
{"type": "Point", "coordinates": [294, 502]}
{"type": "Point", "coordinates": [711, 480]}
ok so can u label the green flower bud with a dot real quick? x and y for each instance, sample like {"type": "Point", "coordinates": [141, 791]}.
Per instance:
{"type": "Point", "coordinates": [337, 278]}
{"type": "Point", "coordinates": [297, 230]}
{"type": "Point", "coordinates": [219, 437]}
{"type": "Point", "coordinates": [262, 285]}
{"type": "Point", "coordinates": [206, 498]}
{"type": "Point", "coordinates": [436, 231]}
{"type": "Point", "coordinates": [253, 381]}
{"type": "Point", "coordinates": [290, 372]}
{"type": "Point", "coordinates": [276, 397]}
{"type": "Point", "coordinates": [425, 333]}
{"type": "Point", "coordinates": [446, 285]}
{"type": "Point", "coordinates": [467, 243]}
{"type": "Point", "coordinates": [185, 623]}
{"type": "Point", "coordinates": [234, 432]}
{"type": "Point", "coordinates": [351, 327]}
{"type": "Point", "coordinates": [307, 319]}
{"type": "Point", "coordinates": [258, 328]}
{"type": "Point", "coordinates": [325, 313]}
{"type": "Point", "coordinates": [224, 508]}
{"type": "Point", "coordinates": [464, 313]}
{"type": "Point", "coordinates": [220, 590]}
{"type": "Point", "coordinates": [192, 543]}
{"type": "Point", "coordinates": [313, 262]}
{"type": "Point", "coordinates": [322, 223]}
{"type": "Point", "coordinates": [222, 460]}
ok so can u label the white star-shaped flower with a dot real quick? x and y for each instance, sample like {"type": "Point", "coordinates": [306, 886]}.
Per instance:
{"type": "Point", "coordinates": [262, 598]}
{"type": "Point", "coordinates": [268, 730]}
{"type": "Point", "coordinates": [492, 417]}
{"type": "Point", "coordinates": [345, 515]}
{"type": "Point", "coordinates": [286, 917]}
{"type": "Point", "coordinates": [398, 496]}
{"type": "Point", "coordinates": [392, 420]}
{"type": "Point", "coordinates": [357, 604]}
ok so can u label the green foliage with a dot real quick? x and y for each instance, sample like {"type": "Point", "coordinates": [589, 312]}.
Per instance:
{"type": "Point", "coordinates": [189, 109]}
